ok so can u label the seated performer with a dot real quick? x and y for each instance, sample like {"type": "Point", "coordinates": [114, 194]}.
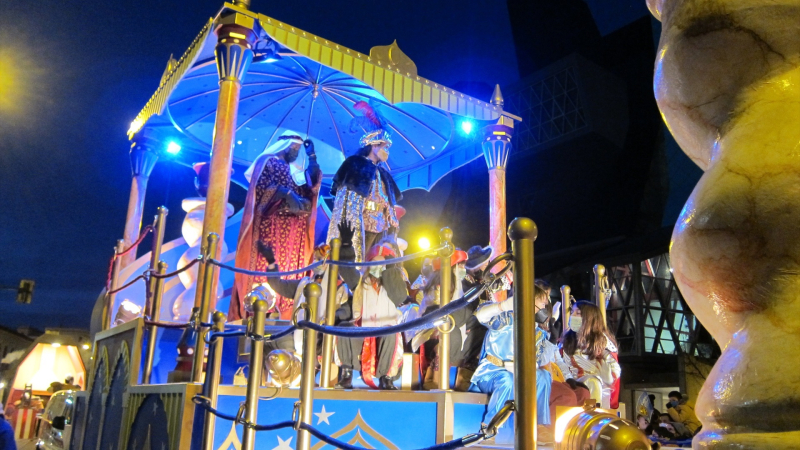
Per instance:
{"type": "Point", "coordinates": [591, 352]}
{"type": "Point", "coordinates": [280, 210]}
{"type": "Point", "coordinates": [377, 292]}
{"type": "Point", "coordinates": [365, 192]}
{"type": "Point", "coordinates": [294, 288]}
{"type": "Point", "coordinates": [428, 339]}
{"type": "Point", "coordinates": [563, 392]}
{"type": "Point", "coordinates": [495, 373]}
{"type": "Point", "coordinates": [473, 332]}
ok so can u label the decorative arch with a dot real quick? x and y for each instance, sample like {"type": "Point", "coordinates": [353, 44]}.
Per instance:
{"type": "Point", "coordinates": [113, 408]}
{"type": "Point", "coordinates": [95, 404]}
{"type": "Point", "coordinates": [149, 429]}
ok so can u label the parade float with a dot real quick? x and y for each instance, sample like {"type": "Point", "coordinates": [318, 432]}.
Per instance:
{"type": "Point", "coordinates": [169, 371]}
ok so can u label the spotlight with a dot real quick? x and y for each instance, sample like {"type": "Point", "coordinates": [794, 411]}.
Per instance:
{"type": "Point", "coordinates": [2, 385]}
{"type": "Point", "coordinates": [588, 428]}
{"type": "Point", "coordinates": [56, 344]}
{"type": "Point", "coordinates": [424, 243]}
{"type": "Point", "coordinates": [466, 126]}
{"type": "Point", "coordinates": [86, 346]}
{"type": "Point", "coordinates": [173, 148]}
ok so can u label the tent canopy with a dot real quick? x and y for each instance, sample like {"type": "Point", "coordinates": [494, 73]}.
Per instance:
{"type": "Point", "coordinates": [302, 82]}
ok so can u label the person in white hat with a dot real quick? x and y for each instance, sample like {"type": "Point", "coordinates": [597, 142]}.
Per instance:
{"type": "Point", "coordinates": [279, 211]}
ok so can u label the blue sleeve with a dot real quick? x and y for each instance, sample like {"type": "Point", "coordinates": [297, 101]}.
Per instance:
{"type": "Point", "coordinates": [6, 436]}
{"type": "Point", "coordinates": [502, 320]}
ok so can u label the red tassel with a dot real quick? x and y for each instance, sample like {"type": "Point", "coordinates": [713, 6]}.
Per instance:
{"type": "Point", "coordinates": [367, 110]}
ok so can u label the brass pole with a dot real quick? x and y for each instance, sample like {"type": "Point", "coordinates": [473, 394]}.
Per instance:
{"type": "Point", "coordinates": [233, 53]}
{"type": "Point", "coordinates": [108, 317]}
{"type": "Point", "coordinates": [212, 380]}
{"type": "Point", "coordinates": [254, 378]}
{"type": "Point", "coordinates": [446, 274]}
{"type": "Point", "coordinates": [200, 345]}
{"type": "Point", "coordinates": [158, 293]}
{"type": "Point", "coordinates": [155, 256]}
{"type": "Point", "coordinates": [599, 291]}
{"type": "Point", "coordinates": [523, 232]}
{"type": "Point", "coordinates": [330, 316]}
{"type": "Point", "coordinates": [565, 307]}
{"type": "Point", "coordinates": [312, 292]}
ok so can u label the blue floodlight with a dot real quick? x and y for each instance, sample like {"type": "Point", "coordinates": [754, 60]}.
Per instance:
{"type": "Point", "coordinates": [173, 148]}
{"type": "Point", "coordinates": [466, 126]}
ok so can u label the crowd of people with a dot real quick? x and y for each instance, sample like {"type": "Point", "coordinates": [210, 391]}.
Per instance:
{"type": "Point", "coordinates": [276, 234]}
{"type": "Point", "coordinates": [679, 422]}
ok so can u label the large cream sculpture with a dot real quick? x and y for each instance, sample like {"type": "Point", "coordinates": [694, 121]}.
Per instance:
{"type": "Point", "coordinates": [727, 81]}
{"type": "Point", "coordinates": [192, 231]}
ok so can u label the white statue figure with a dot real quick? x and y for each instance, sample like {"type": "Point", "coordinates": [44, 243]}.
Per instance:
{"type": "Point", "coordinates": [192, 231]}
{"type": "Point", "coordinates": [727, 81]}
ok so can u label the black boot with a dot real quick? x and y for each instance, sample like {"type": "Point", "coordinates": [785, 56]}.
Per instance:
{"type": "Point", "coordinates": [345, 378]}
{"type": "Point", "coordinates": [385, 384]}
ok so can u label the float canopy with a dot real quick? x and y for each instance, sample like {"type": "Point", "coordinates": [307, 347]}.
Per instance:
{"type": "Point", "coordinates": [303, 82]}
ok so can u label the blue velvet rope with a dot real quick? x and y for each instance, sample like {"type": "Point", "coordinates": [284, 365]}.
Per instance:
{"type": "Point", "coordinates": [204, 403]}
{"type": "Point", "coordinates": [237, 333]}
{"type": "Point", "coordinates": [455, 443]}
{"type": "Point", "coordinates": [387, 261]}
{"type": "Point", "coordinates": [326, 261]}
{"type": "Point", "coordinates": [424, 321]}
{"type": "Point", "coordinates": [268, 274]}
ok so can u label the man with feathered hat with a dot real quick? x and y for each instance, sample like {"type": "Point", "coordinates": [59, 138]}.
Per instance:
{"type": "Point", "coordinates": [280, 211]}
{"type": "Point", "coordinates": [365, 192]}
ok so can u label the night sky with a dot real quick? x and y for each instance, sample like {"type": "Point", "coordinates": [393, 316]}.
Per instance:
{"type": "Point", "coordinates": [75, 74]}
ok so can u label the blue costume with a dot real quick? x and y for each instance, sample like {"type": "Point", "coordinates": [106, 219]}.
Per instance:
{"type": "Point", "coordinates": [6, 434]}
{"type": "Point", "coordinates": [493, 377]}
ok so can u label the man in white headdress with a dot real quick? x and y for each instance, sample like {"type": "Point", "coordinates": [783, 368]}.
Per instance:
{"type": "Point", "coordinates": [279, 211]}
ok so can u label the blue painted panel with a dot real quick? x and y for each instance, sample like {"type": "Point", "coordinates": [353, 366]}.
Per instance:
{"type": "Point", "coordinates": [373, 424]}
{"type": "Point", "coordinates": [467, 418]}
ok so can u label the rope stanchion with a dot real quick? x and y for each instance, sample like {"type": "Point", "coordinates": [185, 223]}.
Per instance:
{"type": "Point", "coordinates": [455, 443]}
{"type": "Point", "coordinates": [147, 229]}
{"type": "Point", "coordinates": [153, 323]}
{"type": "Point", "coordinates": [205, 403]}
{"type": "Point", "coordinates": [266, 274]}
{"type": "Point", "coordinates": [127, 285]}
{"type": "Point", "coordinates": [316, 264]}
{"type": "Point", "coordinates": [388, 262]}
{"type": "Point", "coordinates": [426, 321]}
{"type": "Point", "coordinates": [182, 269]}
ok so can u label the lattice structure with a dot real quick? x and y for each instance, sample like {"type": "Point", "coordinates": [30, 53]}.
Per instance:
{"type": "Point", "coordinates": [647, 312]}
{"type": "Point", "coordinates": [551, 108]}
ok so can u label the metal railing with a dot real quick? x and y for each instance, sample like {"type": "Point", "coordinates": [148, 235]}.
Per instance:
{"type": "Point", "coordinates": [523, 233]}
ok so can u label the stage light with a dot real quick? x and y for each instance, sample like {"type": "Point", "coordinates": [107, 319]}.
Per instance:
{"type": "Point", "coordinates": [86, 346]}
{"type": "Point", "coordinates": [466, 126]}
{"type": "Point", "coordinates": [424, 243]}
{"type": "Point", "coordinates": [2, 385]}
{"type": "Point", "coordinates": [173, 148]}
{"type": "Point", "coordinates": [596, 429]}
{"type": "Point", "coordinates": [56, 344]}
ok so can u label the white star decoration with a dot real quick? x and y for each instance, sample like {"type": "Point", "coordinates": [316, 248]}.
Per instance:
{"type": "Point", "coordinates": [284, 445]}
{"type": "Point", "coordinates": [323, 416]}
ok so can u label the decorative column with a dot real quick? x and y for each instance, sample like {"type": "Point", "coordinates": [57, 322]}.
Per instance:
{"type": "Point", "coordinates": [235, 39]}
{"type": "Point", "coordinates": [496, 147]}
{"type": "Point", "coordinates": [727, 82]}
{"type": "Point", "coordinates": [143, 159]}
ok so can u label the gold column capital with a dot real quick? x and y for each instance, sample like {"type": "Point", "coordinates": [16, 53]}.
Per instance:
{"type": "Point", "coordinates": [234, 51]}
